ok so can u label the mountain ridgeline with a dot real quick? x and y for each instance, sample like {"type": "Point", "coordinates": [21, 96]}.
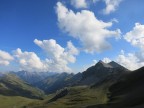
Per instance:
{"type": "Point", "coordinates": [104, 85]}
{"type": "Point", "coordinates": [11, 85]}
{"type": "Point", "coordinates": [96, 74]}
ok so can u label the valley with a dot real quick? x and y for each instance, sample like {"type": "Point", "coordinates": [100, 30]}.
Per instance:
{"type": "Point", "coordinates": [100, 86]}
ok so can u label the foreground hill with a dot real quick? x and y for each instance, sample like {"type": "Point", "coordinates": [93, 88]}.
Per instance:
{"type": "Point", "coordinates": [73, 97]}
{"type": "Point", "coordinates": [11, 85]}
{"type": "Point", "coordinates": [113, 87]}
{"type": "Point", "coordinates": [15, 101]}
{"type": "Point", "coordinates": [87, 92]}
{"type": "Point", "coordinates": [127, 93]}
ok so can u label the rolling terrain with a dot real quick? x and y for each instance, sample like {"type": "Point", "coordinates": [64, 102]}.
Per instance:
{"type": "Point", "coordinates": [127, 92]}
{"type": "Point", "coordinates": [104, 85]}
{"type": "Point", "coordinates": [11, 85]}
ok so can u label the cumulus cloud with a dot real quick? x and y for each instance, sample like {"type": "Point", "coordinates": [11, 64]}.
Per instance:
{"type": "Point", "coordinates": [84, 26]}
{"type": "Point", "coordinates": [5, 58]}
{"type": "Point", "coordinates": [134, 60]}
{"type": "Point", "coordinates": [29, 61]}
{"type": "Point", "coordinates": [106, 60]}
{"type": "Point", "coordinates": [129, 60]}
{"type": "Point", "coordinates": [111, 6]}
{"type": "Point", "coordinates": [58, 57]}
{"type": "Point", "coordinates": [79, 3]}
{"type": "Point", "coordinates": [136, 36]}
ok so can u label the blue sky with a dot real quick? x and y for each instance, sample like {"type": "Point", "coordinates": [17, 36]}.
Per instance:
{"type": "Point", "coordinates": [34, 35]}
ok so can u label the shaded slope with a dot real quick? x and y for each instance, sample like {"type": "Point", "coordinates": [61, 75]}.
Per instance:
{"type": "Point", "coordinates": [55, 82]}
{"type": "Point", "coordinates": [101, 72]}
{"type": "Point", "coordinates": [127, 93]}
{"type": "Point", "coordinates": [74, 97]}
{"type": "Point", "coordinates": [11, 85]}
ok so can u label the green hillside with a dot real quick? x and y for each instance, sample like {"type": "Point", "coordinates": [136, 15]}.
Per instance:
{"type": "Point", "coordinates": [11, 85]}
{"type": "Point", "coordinates": [15, 101]}
{"type": "Point", "coordinates": [74, 97]}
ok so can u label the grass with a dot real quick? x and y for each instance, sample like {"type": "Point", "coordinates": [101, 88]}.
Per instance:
{"type": "Point", "coordinates": [77, 97]}
{"type": "Point", "coordinates": [10, 85]}
{"type": "Point", "coordinates": [14, 101]}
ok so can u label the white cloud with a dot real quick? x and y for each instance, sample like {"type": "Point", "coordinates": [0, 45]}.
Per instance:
{"type": "Point", "coordinates": [111, 6]}
{"type": "Point", "coordinates": [57, 60]}
{"type": "Point", "coordinates": [5, 58]}
{"type": "Point", "coordinates": [59, 57]}
{"type": "Point", "coordinates": [136, 36]}
{"type": "Point", "coordinates": [79, 3]}
{"type": "Point", "coordinates": [84, 26]}
{"type": "Point", "coordinates": [29, 61]}
{"type": "Point", "coordinates": [106, 60]}
{"type": "Point", "coordinates": [130, 60]}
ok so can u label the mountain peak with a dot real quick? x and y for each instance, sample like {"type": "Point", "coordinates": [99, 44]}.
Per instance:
{"type": "Point", "coordinates": [102, 64]}
{"type": "Point", "coordinates": [114, 64]}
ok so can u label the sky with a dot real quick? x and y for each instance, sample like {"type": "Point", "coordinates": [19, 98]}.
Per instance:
{"type": "Point", "coordinates": [70, 35]}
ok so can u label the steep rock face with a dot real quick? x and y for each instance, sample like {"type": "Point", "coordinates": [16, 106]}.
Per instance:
{"type": "Point", "coordinates": [92, 76]}
{"type": "Point", "coordinates": [53, 83]}
{"type": "Point", "coordinates": [129, 90]}
{"type": "Point", "coordinates": [102, 71]}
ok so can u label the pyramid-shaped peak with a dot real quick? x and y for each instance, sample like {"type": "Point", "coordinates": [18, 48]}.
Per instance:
{"type": "Point", "coordinates": [103, 64]}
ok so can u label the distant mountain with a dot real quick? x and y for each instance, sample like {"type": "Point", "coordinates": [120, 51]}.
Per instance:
{"type": "Point", "coordinates": [125, 92]}
{"type": "Point", "coordinates": [11, 85]}
{"type": "Point", "coordinates": [33, 77]}
{"type": "Point", "coordinates": [49, 81]}
{"type": "Point", "coordinates": [104, 85]}
{"type": "Point", "coordinates": [92, 76]}
{"type": "Point", "coordinates": [102, 71]}
{"type": "Point", "coordinates": [55, 82]}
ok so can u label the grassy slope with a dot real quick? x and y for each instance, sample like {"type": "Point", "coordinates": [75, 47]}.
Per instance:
{"type": "Point", "coordinates": [77, 97]}
{"type": "Point", "coordinates": [11, 85]}
{"type": "Point", "coordinates": [128, 93]}
{"type": "Point", "coordinates": [14, 101]}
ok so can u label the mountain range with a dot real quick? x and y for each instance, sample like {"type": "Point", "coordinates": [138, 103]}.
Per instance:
{"type": "Point", "coordinates": [11, 85]}
{"type": "Point", "coordinates": [104, 85]}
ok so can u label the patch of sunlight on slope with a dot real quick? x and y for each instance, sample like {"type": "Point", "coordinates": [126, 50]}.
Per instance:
{"type": "Point", "coordinates": [14, 101]}
{"type": "Point", "coordinates": [77, 97]}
